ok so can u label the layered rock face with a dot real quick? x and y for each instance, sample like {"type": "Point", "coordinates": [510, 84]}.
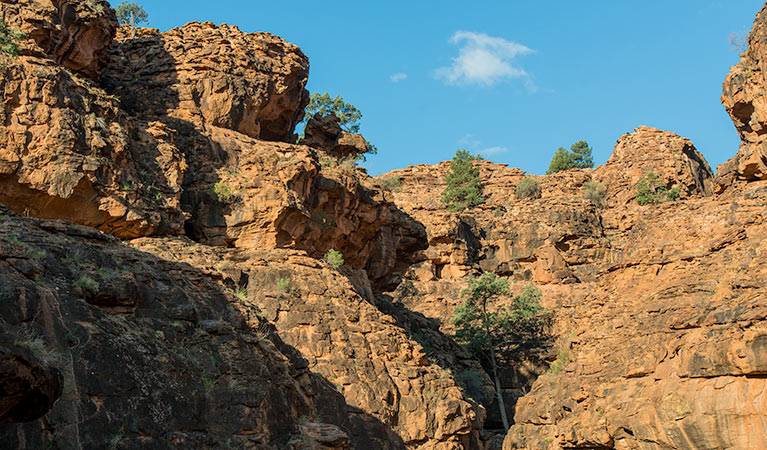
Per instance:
{"type": "Point", "coordinates": [149, 352]}
{"type": "Point", "coordinates": [252, 83]}
{"type": "Point", "coordinates": [177, 136]}
{"type": "Point", "coordinates": [657, 317]}
{"type": "Point", "coordinates": [673, 158]}
{"type": "Point", "coordinates": [742, 96]}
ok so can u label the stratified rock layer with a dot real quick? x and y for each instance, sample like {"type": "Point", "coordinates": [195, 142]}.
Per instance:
{"type": "Point", "coordinates": [152, 353]}
{"type": "Point", "coordinates": [743, 97]}
{"type": "Point", "coordinates": [252, 83]}
{"type": "Point", "coordinates": [75, 34]}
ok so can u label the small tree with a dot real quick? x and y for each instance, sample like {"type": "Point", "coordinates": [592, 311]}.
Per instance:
{"type": "Point", "coordinates": [348, 115]}
{"type": "Point", "coordinates": [9, 39]}
{"type": "Point", "coordinates": [489, 329]}
{"type": "Point", "coordinates": [464, 186]}
{"type": "Point", "coordinates": [579, 157]}
{"type": "Point", "coordinates": [131, 14]}
{"type": "Point", "coordinates": [560, 161]}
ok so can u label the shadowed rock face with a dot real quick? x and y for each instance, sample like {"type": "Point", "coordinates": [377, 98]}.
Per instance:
{"type": "Point", "coordinates": [74, 34]}
{"type": "Point", "coordinates": [742, 96]}
{"type": "Point", "coordinates": [252, 83]}
{"type": "Point", "coordinates": [149, 352]}
{"type": "Point", "coordinates": [28, 386]}
{"type": "Point", "coordinates": [332, 319]}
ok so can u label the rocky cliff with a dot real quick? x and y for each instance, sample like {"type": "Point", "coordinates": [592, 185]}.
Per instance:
{"type": "Point", "coordinates": [164, 286]}
{"type": "Point", "coordinates": [743, 97]}
{"type": "Point", "coordinates": [181, 139]}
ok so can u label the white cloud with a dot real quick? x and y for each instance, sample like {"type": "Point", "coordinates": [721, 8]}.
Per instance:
{"type": "Point", "coordinates": [493, 151]}
{"type": "Point", "coordinates": [397, 77]}
{"type": "Point", "coordinates": [469, 141]}
{"type": "Point", "coordinates": [483, 60]}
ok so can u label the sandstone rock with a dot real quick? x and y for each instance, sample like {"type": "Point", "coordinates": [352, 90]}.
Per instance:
{"type": "Point", "coordinates": [75, 34]}
{"type": "Point", "coordinates": [148, 376]}
{"type": "Point", "coordinates": [742, 97]}
{"type": "Point", "coordinates": [369, 357]}
{"type": "Point", "coordinates": [252, 83]}
{"type": "Point", "coordinates": [70, 153]}
{"type": "Point", "coordinates": [325, 133]}
{"type": "Point", "coordinates": [28, 385]}
{"type": "Point", "coordinates": [276, 195]}
{"type": "Point", "coordinates": [673, 158]}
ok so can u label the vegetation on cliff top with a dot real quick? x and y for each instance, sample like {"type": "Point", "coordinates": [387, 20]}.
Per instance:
{"type": "Point", "coordinates": [131, 14]}
{"type": "Point", "coordinates": [579, 157]}
{"type": "Point", "coordinates": [464, 186]}
{"type": "Point", "coordinates": [348, 115]}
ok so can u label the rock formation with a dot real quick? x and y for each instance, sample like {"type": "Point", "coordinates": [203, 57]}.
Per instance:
{"type": "Point", "coordinates": [217, 323]}
{"type": "Point", "coordinates": [743, 97]}
{"type": "Point", "coordinates": [252, 83]}
{"type": "Point", "coordinates": [178, 136]}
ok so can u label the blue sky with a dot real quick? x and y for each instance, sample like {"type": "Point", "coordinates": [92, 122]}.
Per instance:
{"type": "Point", "coordinates": [513, 80]}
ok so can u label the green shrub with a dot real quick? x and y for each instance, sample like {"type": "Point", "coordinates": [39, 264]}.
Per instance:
{"type": "Point", "coordinates": [390, 183]}
{"type": "Point", "coordinates": [595, 192]}
{"type": "Point", "coordinates": [241, 293]}
{"type": "Point", "coordinates": [224, 193]}
{"type": "Point", "coordinates": [87, 284]}
{"type": "Point", "coordinates": [334, 259]}
{"type": "Point", "coordinates": [528, 188]}
{"type": "Point", "coordinates": [9, 39]}
{"type": "Point", "coordinates": [283, 283]}
{"type": "Point", "coordinates": [464, 187]}
{"type": "Point", "coordinates": [651, 190]}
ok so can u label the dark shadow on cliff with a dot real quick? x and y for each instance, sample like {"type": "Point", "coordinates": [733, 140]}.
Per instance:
{"type": "Point", "coordinates": [519, 367]}
{"type": "Point", "coordinates": [143, 75]}
{"type": "Point", "coordinates": [153, 353]}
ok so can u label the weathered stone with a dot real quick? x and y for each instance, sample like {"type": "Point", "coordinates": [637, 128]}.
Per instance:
{"type": "Point", "coordinates": [743, 97]}
{"type": "Point", "coordinates": [252, 83]}
{"type": "Point", "coordinates": [75, 34]}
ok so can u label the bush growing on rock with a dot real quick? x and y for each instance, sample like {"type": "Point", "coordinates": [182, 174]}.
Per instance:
{"type": "Point", "coordinates": [224, 193]}
{"type": "Point", "coordinates": [464, 187]}
{"type": "Point", "coordinates": [528, 188]}
{"type": "Point", "coordinates": [579, 157]}
{"type": "Point", "coordinates": [390, 183]}
{"type": "Point", "coordinates": [651, 190]}
{"type": "Point", "coordinates": [9, 40]}
{"type": "Point", "coordinates": [595, 192]}
{"type": "Point", "coordinates": [334, 259]}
